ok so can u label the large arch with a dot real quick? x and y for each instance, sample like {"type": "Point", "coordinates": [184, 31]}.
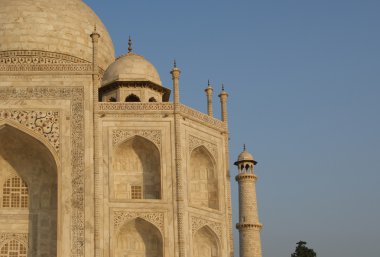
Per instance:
{"type": "Point", "coordinates": [136, 170]}
{"type": "Point", "coordinates": [26, 160]}
{"type": "Point", "coordinates": [203, 179]}
{"type": "Point", "coordinates": [139, 238]}
{"type": "Point", "coordinates": [205, 243]}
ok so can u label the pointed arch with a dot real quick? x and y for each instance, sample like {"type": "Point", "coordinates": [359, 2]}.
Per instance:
{"type": "Point", "coordinates": [136, 170]}
{"type": "Point", "coordinates": [204, 189]}
{"type": "Point", "coordinates": [205, 243]}
{"type": "Point", "coordinates": [139, 237]}
{"type": "Point", "coordinates": [36, 136]}
{"type": "Point", "coordinates": [26, 158]}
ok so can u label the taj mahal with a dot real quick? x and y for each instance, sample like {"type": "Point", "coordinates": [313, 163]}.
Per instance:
{"type": "Point", "coordinates": [96, 160]}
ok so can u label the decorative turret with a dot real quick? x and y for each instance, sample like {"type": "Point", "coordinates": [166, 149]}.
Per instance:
{"type": "Point", "coordinates": [208, 91]}
{"type": "Point", "coordinates": [175, 77]}
{"type": "Point", "coordinates": [223, 102]}
{"type": "Point", "coordinates": [131, 78]}
{"type": "Point", "coordinates": [95, 39]}
{"type": "Point", "coordinates": [249, 226]}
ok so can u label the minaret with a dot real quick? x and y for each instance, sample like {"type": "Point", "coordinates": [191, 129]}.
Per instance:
{"type": "Point", "coordinates": [208, 91]}
{"type": "Point", "coordinates": [249, 226]}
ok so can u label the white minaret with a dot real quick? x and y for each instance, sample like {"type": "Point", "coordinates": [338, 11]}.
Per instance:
{"type": "Point", "coordinates": [249, 226]}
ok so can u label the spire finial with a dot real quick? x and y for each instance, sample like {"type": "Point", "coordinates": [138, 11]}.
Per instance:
{"type": "Point", "coordinates": [244, 147]}
{"type": "Point", "coordinates": [129, 45]}
{"type": "Point", "coordinates": [175, 64]}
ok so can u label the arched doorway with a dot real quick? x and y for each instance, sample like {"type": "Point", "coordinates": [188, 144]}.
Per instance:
{"type": "Point", "coordinates": [28, 193]}
{"type": "Point", "coordinates": [136, 170]}
{"type": "Point", "coordinates": [205, 243]}
{"type": "Point", "coordinates": [139, 238]}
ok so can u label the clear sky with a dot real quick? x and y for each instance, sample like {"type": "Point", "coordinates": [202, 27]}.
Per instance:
{"type": "Point", "coordinates": [304, 85]}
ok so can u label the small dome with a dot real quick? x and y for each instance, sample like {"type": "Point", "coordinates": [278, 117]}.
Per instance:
{"type": "Point", "coordinates": [245, 156]}
{"type": "Point", "coordinates": [53, 26]}
{"type": "Point", "coordinates": [131, 67]}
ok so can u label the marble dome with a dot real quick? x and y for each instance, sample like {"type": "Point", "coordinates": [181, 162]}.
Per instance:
{"type": "Point", "coordinates": [245, 156]}
{"type": "Point", "coordinates": [60, 26]}
{"type": "Point", "coordinates": [131, 67]}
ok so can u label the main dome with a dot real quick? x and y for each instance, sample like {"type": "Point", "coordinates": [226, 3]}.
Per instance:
{"type": "Point", "coordinates": [61, 26]}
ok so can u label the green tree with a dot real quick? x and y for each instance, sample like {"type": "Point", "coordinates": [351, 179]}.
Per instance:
{"type": "Point", "coordinates": [303, 251]}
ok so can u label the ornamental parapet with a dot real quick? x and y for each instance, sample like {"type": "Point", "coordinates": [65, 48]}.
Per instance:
{"type": "Point", "coordinates": [245, 176]}
{"type": "Point", "coordinates": [165, 107]}
{"type": "Point", "coordinates": [247, 226]}
{"type": "Point", "coordinates": [201, 117]}
{"type": "Point", "coordinates": [121, 106]}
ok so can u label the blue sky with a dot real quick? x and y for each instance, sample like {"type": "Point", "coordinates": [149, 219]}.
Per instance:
{"type": "Point", "coordinates": [304, 85]}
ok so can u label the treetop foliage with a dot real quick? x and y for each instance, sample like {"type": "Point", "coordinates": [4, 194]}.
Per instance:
{"type": "Point", "coordinates": [303, 251]}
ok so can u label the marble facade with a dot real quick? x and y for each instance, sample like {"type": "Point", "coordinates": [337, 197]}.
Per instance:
{"type": "Point", "coordinates": [94, 159]}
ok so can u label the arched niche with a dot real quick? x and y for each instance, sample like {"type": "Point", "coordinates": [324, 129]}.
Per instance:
{"type": "Point", "coordinates": [205, 243]}
{"type": "Point", "coordinates": [139, 238]}
{"type": "Point", "coordinates": [136, 170]}
{"type": "Point", "coordinates": [132, 98]}
{"type": "Point", "coordinates": [203, 179]}
{"type": "Point", "coordinates": [23, 156]}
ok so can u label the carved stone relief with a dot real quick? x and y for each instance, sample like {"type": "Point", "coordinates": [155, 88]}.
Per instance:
{"type": "Point", "coordinates": [197, 223]}
{"type": "Point", "coordinates": [37, 57]}
{"type": "Point", "coordinates": [135, 106]}
{"type": "Point", "coordinates": [20, 237]}
{"type": "Point", "coordinates": [120, 135]}
{"type": "Point", "coordinates": [194, 142]}
{"type": "Point", "coordinates": [204, 118]}
{"type": "Point", "coordinates": [45, 123]}
{"type": "Point", "coordinates": [121, 217]}
{"type": "Point", "coordinates": [30, 60]}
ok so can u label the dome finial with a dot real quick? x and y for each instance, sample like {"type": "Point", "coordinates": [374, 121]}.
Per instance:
{"type": "Point", "coordinates": [208, 82]}
{"type": "Point", "coordinates": [244, 147]}
{"type": "Point", "coordinates": [222, 87]}
{"type": "Point", "coordinates": [129, 45]}
{"type": "Point", "coordinates": [175, 64]}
